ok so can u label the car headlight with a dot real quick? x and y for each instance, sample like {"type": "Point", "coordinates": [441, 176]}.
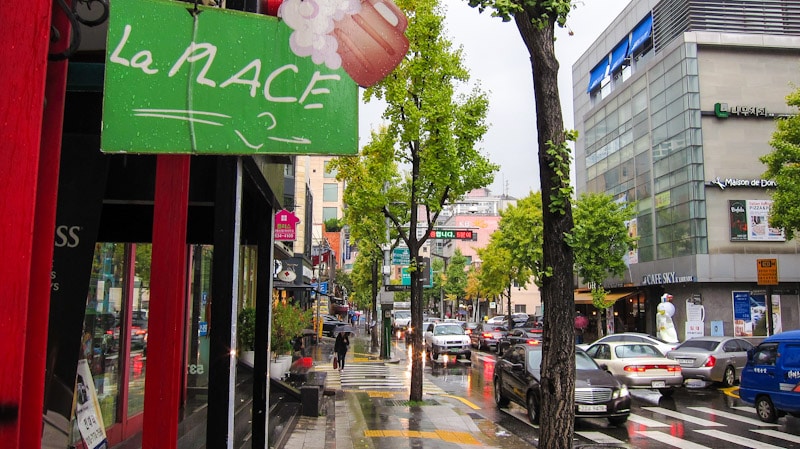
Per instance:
{"type": "Point", "coordinates": [621, 392]}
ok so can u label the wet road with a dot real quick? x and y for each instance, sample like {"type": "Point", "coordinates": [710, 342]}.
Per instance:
{"type": "Point", "coordinates": [694, 418]}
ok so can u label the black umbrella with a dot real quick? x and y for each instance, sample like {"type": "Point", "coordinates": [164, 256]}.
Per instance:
{"type": "Point", "coordinates": [343, 328]}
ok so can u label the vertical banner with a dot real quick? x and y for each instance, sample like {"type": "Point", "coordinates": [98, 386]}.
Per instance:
{"type": "Point", "coordinates": [738, 220]}
{"type": "Point", "coordinates": [87, 409]}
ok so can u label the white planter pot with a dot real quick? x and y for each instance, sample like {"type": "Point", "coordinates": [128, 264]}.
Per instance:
{"type": "Point", "coordinates": [248, 358]}
{"type": "Point", "coordinates": [280, 366]}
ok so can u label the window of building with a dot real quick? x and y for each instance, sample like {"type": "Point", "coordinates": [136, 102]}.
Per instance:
{"type": "Point", "coordinates": [327, 174]}
{"type": "Point", "coordinates": [330, 192]}
{"type": "Point", "coordinates": [330, 213]}
{"type": "Point", "coordinates": [520, 308]}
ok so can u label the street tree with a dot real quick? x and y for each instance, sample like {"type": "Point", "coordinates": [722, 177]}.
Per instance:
{"type": "Point", "coordinates": [365, 177]}
{"type": "Point", "coordinates": [435, 133]}
{"type": "Point", "coordinates": [455, 286]}
{"type": "Point", "coordinates": [783, 166]}
{"type": "Point", "coordinates": [536, 21]}
{"type": "Point", "coordinates": [600, 241]}
{"type": "Point", "coordinates": [473, 292]}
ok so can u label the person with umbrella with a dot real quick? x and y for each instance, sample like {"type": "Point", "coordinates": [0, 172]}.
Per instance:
{"type": "Point", "coordinates": [341, 345]}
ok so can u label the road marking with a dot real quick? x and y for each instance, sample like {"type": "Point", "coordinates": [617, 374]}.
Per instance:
{"type": "Point", "coordinates": [671, 440]}
{"type": "Point", "coordinates": [444, 435]}
{"type": "Point", "coordinates": [745, 408]}
{"type": "Point", "coordinates": [738, 440]}
{"type": "Point", "coordinates": [684, 417]}
{"type": "Point", "coordinates": [600, 438]}
{"type": "Point", "coordinates": [646, 421]}
{"type": "Point", "coordinates": [778, 434]}
{"type": "Point", "coordinates": [743, 419]}
{"type": "Point", "coordinates": [468, 403]}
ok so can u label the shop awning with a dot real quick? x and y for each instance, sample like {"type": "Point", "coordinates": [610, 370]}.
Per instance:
{"type": "Point", "coordinates": [618, 56]}
{"type": "Point", "coordinates": [586, 297]}
{"type": "Point", "coordinates": [282, 285]}
{"type": "Point", "coordinates": [641, 34]}
{"type": "Point", "coordinates": [597, 74]}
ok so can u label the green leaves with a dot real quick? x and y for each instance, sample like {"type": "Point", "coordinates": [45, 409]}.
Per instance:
{"type": "Point", "coordinates": [600, 238]}
{"type": "Point", "coordinates": [783, 166]}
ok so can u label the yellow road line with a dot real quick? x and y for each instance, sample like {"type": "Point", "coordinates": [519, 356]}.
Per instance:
{"type": "Point", "coordinates": [731, 391]}
{"type": "Point", "coordinates": [466, 402]}
{"type": "Point", "coordinates": [444, 435]}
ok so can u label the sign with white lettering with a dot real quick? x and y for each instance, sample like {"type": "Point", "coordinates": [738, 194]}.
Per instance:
{"type": "Point", "coordinates": [749, 222]}
{"type": "Point", "coordinates": [665, 278]}
{"type": "Point", "coordinates": [286, 226]}
{"type": "Point", "coordinates": [216, 81]}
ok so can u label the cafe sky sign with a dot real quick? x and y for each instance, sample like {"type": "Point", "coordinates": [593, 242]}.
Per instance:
{"type": "Point", "coordinates": [182, 79]}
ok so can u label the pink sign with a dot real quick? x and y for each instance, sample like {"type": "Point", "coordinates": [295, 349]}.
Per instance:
{"type": "Point", "coordinates": [285, 224]}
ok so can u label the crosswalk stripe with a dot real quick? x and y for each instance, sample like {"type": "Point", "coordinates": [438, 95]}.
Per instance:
{"type": "Point", "coordinates": [743, 419]}
{"type": "Point", "coordinates": [684, 417]}
{"type": "Point", "coordinates": [671, 440]}
{"type": "Point", "coordinates": [647, 422]}
{"type": "Point", "coordinates": [600, 438]}
{"type": "Point", "coordinates": [738, 439]}
{"type": "Point", "coordinates": [745, 408]}
{"type": "Point", "coordinates": [778, 434]}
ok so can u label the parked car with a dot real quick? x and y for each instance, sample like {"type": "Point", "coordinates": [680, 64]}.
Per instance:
{"type": "Point", "coordinates": [446, 338]}
{"type": "Point", "coordinates": [634, 337]}
{"type": "Point", "coordinates": [598, 394]}
{"type": "Point", "coordinates": [520, 335]}
{"type": "Point", "coordinates": [329, 324]}
{"type": "Point", "coordinates": [771, 377]}
{"type": "Point", "coordinates": [717, 359]}
{"type": "Point", "coordinates": [426, 326]}
{"type": "Point", "coordinates": [638, 365]}
{"type": "Point", "coordinates": [486, 335]}
{"type": "Point", "coordinates": [469, 327]}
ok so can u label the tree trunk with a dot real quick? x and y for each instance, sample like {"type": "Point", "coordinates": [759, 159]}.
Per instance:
{"type": "Point", "coordinates": [374, 345]}
{"type": "Point", "coordinates": [558, 357]}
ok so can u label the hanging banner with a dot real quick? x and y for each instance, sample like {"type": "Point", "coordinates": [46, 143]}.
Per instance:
{"type": "Point", "coordinates": [181, 79]}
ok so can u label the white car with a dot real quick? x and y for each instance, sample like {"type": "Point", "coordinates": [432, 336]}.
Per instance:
{"type": "Point", "coordinates": [633, 337]}
{"type": "Point", "coordinates": [447, 338]}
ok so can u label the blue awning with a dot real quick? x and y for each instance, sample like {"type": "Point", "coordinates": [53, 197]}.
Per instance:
{"type": "Point", "coordinates": [597, 74]}
{"type": "Point", "coordinates": [641, 34]}
{"type": "Point", "coordinates": [618, 55]}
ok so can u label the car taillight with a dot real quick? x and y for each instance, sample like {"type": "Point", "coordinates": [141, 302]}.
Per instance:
{"type": "Point", "coordinates": [468, 332]}
{"type": "Point", "coordinates": [643, 368]}
{"type": "Point", "coordinates": [532, 342]}
{"type": "Point", "coordinates": [487, 335]}
{"type": "Point", "coordinates": [711, 361]}
{"type": "Point", "coordinates": [796, 388]}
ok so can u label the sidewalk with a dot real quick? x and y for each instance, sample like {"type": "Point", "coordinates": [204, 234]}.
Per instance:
{"type": "Point", "coordinates": [382, 419]}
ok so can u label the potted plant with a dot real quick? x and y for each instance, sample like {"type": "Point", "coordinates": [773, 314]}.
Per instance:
{"type": "Point", "coordinates": [288, 322]}
{"type": "Point", "coordinates": [246, 331]}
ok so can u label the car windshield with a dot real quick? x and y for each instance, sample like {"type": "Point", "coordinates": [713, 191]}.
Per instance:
{"type": "Point", "coordinates": [448, 329]}
{"type": "Point", "coordinates": [583, 361]}
{"type": "Point", "coordinates": [707, 345]}
{"type": "Point", "coordinates": [632, 351]}
{"type": "Point", "coordinates": [402, 314]}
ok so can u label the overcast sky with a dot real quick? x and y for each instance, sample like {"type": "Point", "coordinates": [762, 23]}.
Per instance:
{"type": "Point", "coordinates": [497, 59]}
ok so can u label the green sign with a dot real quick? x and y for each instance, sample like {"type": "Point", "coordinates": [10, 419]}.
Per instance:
{"type": "Point", "coordinates": [401, 256]}
{"type": "Point", "coordinates": [215, 81]}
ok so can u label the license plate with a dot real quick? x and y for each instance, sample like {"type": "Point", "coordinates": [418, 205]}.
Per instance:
{"type": "Point", "coordinates": [591, 408]}
{"type": "Point", "coordinates": [658, 384]}
{"type": "Point", "coordinates": [685, 361]}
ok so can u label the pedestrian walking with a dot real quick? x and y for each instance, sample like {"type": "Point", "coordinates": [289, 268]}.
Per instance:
{"type": "Point", "coordinates": [341, 346]}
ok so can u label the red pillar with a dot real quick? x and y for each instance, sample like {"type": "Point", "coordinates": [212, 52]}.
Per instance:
{"type": "Point", "coordinates": [23, 63]}
{"type": "Point", "coordinates": [44, 228]}
{"type": "Point", "coordinates": [167, 298]}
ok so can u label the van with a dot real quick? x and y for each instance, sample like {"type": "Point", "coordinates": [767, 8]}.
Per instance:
{"type": "Point", "coordinates": [771, 378]}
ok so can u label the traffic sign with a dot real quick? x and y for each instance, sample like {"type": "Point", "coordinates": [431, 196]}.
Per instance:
{"type": "Point", "coordinates": [767, 270]}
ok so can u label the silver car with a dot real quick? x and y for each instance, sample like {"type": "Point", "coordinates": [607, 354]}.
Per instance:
{"type": "Point", "coordinates": [716, 359]}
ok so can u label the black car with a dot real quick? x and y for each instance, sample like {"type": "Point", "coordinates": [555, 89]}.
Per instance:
{"type": "Point", "coordinates": [520, 335]}
{"type": "Point", "coordinates": [597, 393]}
{"type": "Point", "coordinates": [329, 324]}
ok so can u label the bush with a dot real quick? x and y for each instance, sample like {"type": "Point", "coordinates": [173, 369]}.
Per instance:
{"type": "Point", "coordinates": [246, 329]}
{"type": "Point", "coordinates": [288, 322]}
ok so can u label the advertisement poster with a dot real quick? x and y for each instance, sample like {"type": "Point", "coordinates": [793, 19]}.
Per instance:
{"type": "Point", "coordinates": [758, 228]}
{"type": "Point", "coordinates": [87, 409]}
{"type": "Point", "coordinates": [632, 256]}
{"type": "Point", "coordinates": [749, 221]}
{"type": "Point", "coordinates": [750, 313]}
